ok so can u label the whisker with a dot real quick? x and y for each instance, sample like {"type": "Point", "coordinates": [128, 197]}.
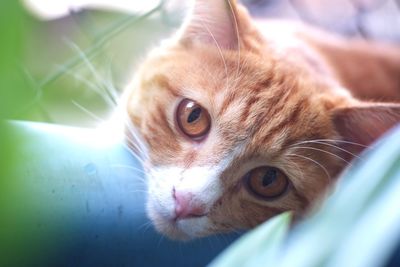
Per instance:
{"type": "Point", "coordinates": [135, 155]}
{"type": "Point", "coordinates": [237, 36]}
{"type": "Point", "coordinates": [135, 148]}
{"type": "Point", "coordinates": [217, 45]}
{"type": "Point", "coordinates": [88, 112]}
{"type": "Point", "coordinates": [337, 147]}
{"type": "Point", "coordinates": [138, 155]}
{"type": "Point", "coordinates": [314, 161]}
{"type": "Point", "coordinates": [137, 138]}
{"type": "Point", "coordinates": [137, 191]}
{"type": "Point", "coordinates": [160, 241]}
{"type": "Point", "coordinates": [110, 82]}
{"type": "Point", "coordinates": [128, 167]}
{"type": "Point", "coordinates": [91, 68]}
{"type": "Point", "coordinates": [145, 227]}
{"type": "Point", "coordinates": [321, 150]}
{"type": "Point", "coordinates": [331, 140]}
{"type": "Point", "coordinates": [87, 83]}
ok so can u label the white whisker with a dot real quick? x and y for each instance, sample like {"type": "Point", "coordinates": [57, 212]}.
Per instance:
{"type": "Point", "coordinates": [314, 161]}
{"type": "Point", "coordinates": [87, 83]}
{"type": "Point", "coordinates": [145, 226]}
{"type": "Point", "coordinates": [331, 145]}
{"type": "Point", "coordinates": [218, 47]}
{"type": "Point", "coordinates": [128, 167]}
{"type": "Point", "coordinates": [141, 146]}
{"type": "Point", "coordinates": [105, 86]}
{"type": "Point", "coordinates": [237, 37]}
{"type": "Point", "coordinates": [331, 140]}
{"type": "Point", "coordinates": [88, 112]}
{"type": "Point", "coordinates": [321, 150]}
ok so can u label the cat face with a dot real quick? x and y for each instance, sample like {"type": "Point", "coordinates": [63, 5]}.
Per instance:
{"type": "Point", "coordinates": [235, 132]}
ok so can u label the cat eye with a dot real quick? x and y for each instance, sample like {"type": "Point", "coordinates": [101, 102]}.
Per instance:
{"type": "Point", "coordinates": [193, 120]}
{"type": "Point", "coordinates": [267, 182]}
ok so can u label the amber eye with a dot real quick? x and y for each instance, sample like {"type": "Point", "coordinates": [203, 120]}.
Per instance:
{"type": "Point", "coordinates": [193, 120]}
{"type": "Point", "coordinates": [267, 182]}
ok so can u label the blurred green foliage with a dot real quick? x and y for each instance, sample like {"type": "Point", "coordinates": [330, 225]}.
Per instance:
{"type": "Point", "coordinates": [15, 95]}
{"type": "Point", "coordinates": [84, 57]}
{"type": "Point", "coordinates": [56, 71]}
{"type": "Point", "coordinates": [15, 91]}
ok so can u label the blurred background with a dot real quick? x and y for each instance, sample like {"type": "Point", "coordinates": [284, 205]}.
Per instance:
{"type": "Point", "coordinates": [65, 62]}
{"type": "Point", "coordinates": [64, 57]}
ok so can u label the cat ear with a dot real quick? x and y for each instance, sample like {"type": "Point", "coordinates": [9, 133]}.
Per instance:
{"type": "Point", "coordinates": [365, 123]}
{"type": "Point", "coordinates": [212, 22]}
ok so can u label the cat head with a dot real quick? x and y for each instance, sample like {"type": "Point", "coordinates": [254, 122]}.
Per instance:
{"type": "Point", "coordinates": [237, 129]}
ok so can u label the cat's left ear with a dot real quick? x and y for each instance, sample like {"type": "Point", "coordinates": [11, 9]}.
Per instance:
{"type": "Point", "coordinates": [212, 22]}
{"type": "Point", "coordinates": [364, 123]}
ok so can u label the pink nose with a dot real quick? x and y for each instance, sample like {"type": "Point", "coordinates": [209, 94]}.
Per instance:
{"type": "Point", "coordinates": [186, 206]}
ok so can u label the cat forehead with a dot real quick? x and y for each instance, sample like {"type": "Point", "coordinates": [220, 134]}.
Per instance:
{"type": "Point", "coordinates": [208, 61]}
{"type": "Point", "coordinates": [218, 81]}
{"type": "Point", "coordinates": [206, 71]}
{"type": "Point", "coordinates": [260, 102]}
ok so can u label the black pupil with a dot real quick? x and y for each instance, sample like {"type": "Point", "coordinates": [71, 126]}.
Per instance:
{"type": "Point", "coordinates": [194, 115]}
{"type": "Point", "coordinates": [269, 177]}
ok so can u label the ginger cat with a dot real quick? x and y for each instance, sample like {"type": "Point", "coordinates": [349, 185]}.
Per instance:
{"type": "Point", "coordinates": [241, 119]}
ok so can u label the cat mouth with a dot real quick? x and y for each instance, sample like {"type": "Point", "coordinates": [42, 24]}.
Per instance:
{"type": "Point", "coordinates": [177, 218]}
{"type": "Point", "coordinates": [187, 228]}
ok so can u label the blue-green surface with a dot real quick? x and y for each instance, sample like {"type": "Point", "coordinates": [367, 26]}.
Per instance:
{"type": "Point", "coordinates": [88, 204]}
{"type": "Point", "coordinates": [84, 204]}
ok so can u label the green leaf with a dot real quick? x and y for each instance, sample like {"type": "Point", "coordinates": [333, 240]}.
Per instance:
{"type": "Point", "coordinates": [255, 246]}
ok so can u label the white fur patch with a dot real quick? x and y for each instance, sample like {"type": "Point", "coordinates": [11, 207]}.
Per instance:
{"type": "Point", "coordinates": [202, 182]}
{"type": "Point", "coordinates": [195, 226]}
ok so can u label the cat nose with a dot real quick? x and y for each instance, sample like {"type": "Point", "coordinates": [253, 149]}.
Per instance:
{"type": "Point", "coordinates": [186, 207]}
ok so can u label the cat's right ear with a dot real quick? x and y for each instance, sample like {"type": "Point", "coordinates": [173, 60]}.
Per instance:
{"type": "Point", "coordinates": [212, 22]}
{"type": "Point", "coordinates": [362, 124]}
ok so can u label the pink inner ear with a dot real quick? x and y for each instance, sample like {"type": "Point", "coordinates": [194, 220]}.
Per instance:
{"type": "Point", "coordinates": [364, 124]}
{"type": "Point", "coordinates": [213, 22]}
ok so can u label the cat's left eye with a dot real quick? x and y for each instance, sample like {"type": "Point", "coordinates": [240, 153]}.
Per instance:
{"type": "Point", "coordinates": [267, 182]}
{"type": "Point", "coordinates": [193, 120]}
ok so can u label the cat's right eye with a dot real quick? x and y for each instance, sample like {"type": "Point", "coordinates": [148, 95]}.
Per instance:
{"type": "Point", "coordinates": [192, 119]}
{"type": "Point", "coordinates": [267, 182]}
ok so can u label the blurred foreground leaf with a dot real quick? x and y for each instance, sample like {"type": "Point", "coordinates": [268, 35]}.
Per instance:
{"type": "Point", "coordinates": [266, 238]}
{"type": "Point", "coordinates": [15, 92]}
{"type": "Point", "coordinates": [15, 95]}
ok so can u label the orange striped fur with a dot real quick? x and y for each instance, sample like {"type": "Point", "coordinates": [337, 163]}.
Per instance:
{"type": "Point", "coordinates": [278, 93]}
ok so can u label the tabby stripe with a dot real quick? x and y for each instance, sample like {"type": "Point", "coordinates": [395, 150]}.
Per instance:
{"type": "Point", "coordinates": [249, 105]}
{"type": "Point", "coordinates": [227, 102]}
{"type": "Point", "coordinates": [292, 118]}
{"type": "Point", "coordinates": [280, 101]}
{"type": "Point", "coordinates": [163, 82]}
{"type": "Point", "coordinates": [160, 119]}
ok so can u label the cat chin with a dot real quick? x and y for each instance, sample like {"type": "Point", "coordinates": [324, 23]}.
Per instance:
{"type": "Point", "coordinates": [183, 230]}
